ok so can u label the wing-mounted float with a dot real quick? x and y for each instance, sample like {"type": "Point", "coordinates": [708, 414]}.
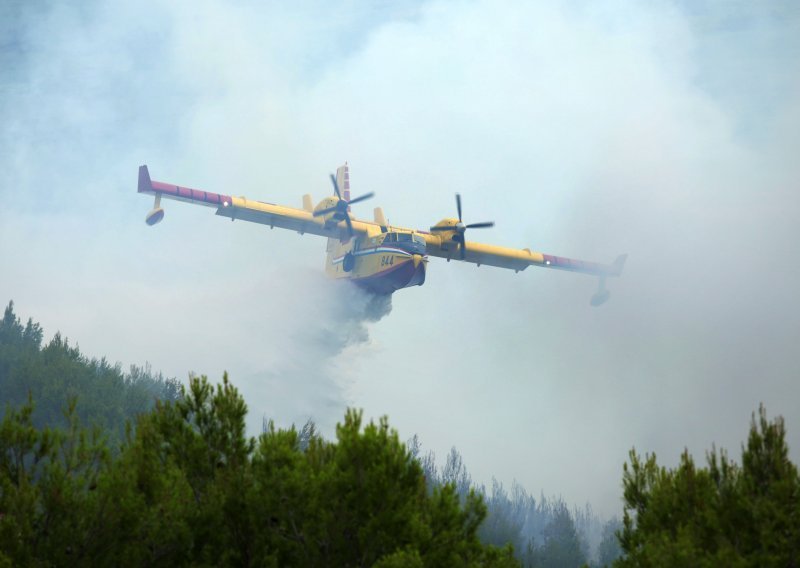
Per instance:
{"type": "Point", "coordinates": [373, 254]}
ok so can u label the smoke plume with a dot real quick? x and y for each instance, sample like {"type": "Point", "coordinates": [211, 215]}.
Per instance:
{"type": "Point", "coordinates": [325, 344]}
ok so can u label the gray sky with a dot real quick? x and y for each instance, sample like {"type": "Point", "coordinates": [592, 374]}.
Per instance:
{"type": "Point", "coordinates": [669, 131]}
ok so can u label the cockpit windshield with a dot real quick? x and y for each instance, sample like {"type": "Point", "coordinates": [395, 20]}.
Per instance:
{"type": "Point", "coordinates": [408, 241]}
{"type": "Point", "coordinates": [397, 238]}
{"type": "Point", "coordinates": [403, 238]}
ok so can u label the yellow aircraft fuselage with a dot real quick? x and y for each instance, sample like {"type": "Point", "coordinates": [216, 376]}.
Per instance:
{"type": "Point", "coordinates": [382, 262]}
{"type": "Point", "coordinates": [379, 258]}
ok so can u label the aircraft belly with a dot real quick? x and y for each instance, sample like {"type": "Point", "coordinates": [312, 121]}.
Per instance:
{"type": "Point", "coordinates": [401, 272]}
{"type": "Point", "coordinates": [382, 270]}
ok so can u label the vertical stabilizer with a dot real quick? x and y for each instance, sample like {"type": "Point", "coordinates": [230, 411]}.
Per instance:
{"type": "Point", "coordinates": [379, 218]}
{"type": "Point", "coordinates": [343, 181]}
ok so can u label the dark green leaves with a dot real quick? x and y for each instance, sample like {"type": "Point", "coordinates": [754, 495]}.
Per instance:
{"type": "Point", "coordinates": [720, 515]}
{"type": "Point", "coordinates": [189, 488]}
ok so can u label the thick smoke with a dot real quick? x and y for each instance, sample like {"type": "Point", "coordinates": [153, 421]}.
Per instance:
{"type": "Point", "coordinates": [351, 308]}
{"type": "Point", "coordinates": [666, 130]}
{"type": "Point", "coordinates": [325, 344]}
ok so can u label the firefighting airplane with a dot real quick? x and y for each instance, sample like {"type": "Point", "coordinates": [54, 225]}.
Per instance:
{"type": "Point", "coordinates": [373, 254]}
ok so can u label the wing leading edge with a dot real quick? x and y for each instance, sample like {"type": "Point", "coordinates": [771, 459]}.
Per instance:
{"type": "Point", "coordinates": [518, 259]}
{"type": "Point", "coordinates": [241, 208]}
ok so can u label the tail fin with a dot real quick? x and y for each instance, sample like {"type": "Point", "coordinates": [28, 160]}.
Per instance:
{"type": "Point", "coordinates": [343, 180]}
{"type": "Point", "coordinates": [145, 185]}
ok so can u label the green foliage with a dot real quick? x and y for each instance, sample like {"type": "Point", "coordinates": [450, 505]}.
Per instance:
{"type": "Point", "coordinates": [361, 501]}
{"type": "Point", "coordinates": [55, 373]}
{"type": "Point", "coordinates": [609, 549]}
{"type": "Point", "coordinates": [48, 483]}
{"type": "Point", "coordinates": [506, 518]}
{"type": "Point", "coordinates": [401, 559]}
{"type": "Point", "coordinates": [515, 521]}
{"type": "Point", "coordinates": [561, 546]}
{"type": "Point", "coordinates": [721, 515]}
{"type": "Point", "coordinates": [189, 488]}
{"type": "Point", "coordinates": [543, 532]}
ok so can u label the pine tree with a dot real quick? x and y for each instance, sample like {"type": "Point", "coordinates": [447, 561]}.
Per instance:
{"type": "Point", "coordinates": [720, 515]}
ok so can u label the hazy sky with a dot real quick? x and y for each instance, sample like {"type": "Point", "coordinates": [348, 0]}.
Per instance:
{"type": "Point", "coordinates": [667, 130]}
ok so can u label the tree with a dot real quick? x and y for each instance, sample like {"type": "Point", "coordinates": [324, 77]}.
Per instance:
{"type": "Point", "coordinates": [609, 549]}
{"type": "Point", "coordinates": [505, 520]}
{"type": "Point", "coordinates": [359, 501]}
{"type": "Point", "coordinates": [48, 502]}
{"type": "Point", "coordinates": [189, 488]}
{"type": "Point", "coordinates": [561, 547]}
{"type": "Point", "coordinates": [57, 372]}
{"type": "Point", "coordinates": [723, 514]}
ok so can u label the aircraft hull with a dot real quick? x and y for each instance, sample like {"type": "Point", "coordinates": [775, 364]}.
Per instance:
{"type": "Point", "coordinates": [402, 275]}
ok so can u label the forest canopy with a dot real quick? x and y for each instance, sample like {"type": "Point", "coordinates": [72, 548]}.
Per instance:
{"type": "Point", "coordinates": [187, 486]}
{"type": "Point", "coordinates": [57, 372]}
{"type": "Point", "coordinates": [102, 467]}
{"type": "Point", "coordinates": [190, 488]}
{"type": "Point", "coordinates": [724, 514]}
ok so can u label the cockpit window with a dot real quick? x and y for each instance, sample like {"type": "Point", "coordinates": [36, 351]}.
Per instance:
{"type": "Point", "coordinates": [403, 238]}
{"type": "Point", "coordinates": [398, 238]}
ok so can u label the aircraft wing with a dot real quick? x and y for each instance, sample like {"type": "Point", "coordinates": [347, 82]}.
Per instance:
{"type": "Point", "coordinates": [516, 259]}
{"type": "Point", "coordinates": [241, 208]}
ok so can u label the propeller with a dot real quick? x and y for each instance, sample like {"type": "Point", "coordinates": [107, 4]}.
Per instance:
{"type": "Point", "coordinates": [460, 228]}
{"type": "Point", "coordinates": [341, 207]}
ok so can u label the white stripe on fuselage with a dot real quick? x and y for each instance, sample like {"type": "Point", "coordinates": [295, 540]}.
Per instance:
{"type": "Point", "coordinates": [377, 250]}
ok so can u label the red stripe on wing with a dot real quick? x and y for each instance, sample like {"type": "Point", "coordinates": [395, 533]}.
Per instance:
{"type": "Point", "coordinates": [189, 194]}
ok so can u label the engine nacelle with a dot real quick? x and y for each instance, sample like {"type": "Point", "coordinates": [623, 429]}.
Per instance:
{"type": "Point", "coordinates": [331, 215]}
{"type": "Point", "coordinates": [446, 229]}
{"type": "Point", "coordinates": [154, 216]}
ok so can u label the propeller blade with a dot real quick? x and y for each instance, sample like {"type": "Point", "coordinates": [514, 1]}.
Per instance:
{"type": "Point", "coordinates": [349, 226]}
{"type": "Point", "coordinates": [361, 198]}
{"type": "Point", "coordinates": [460, 228]}
{"type": "Point", "coordinates": [336, 186]}
{"type": "Point", "coordinates": [324, 211]}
